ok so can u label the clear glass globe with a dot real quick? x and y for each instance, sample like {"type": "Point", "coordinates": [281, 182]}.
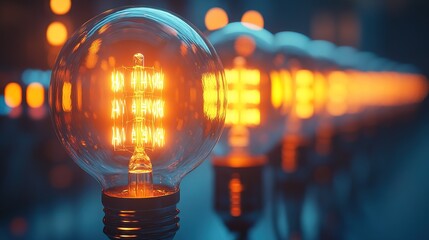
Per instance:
{"type": "Point", "coordinates": [254, 120]}
{"type": "Point", "coordinates": [138, 98]}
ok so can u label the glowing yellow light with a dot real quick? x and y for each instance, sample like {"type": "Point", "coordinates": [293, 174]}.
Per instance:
{"type": "Point", "coordinates": [244, 96]}
{"type": "Point", "coordinates": [137, 113]}
{"type": "Point", "coordinates": [66, 98]}
{"type": "Point", "coordinates": [216, 18]}
{"type": "Point", "coordinates": [320, 91]}
{"type": "Point", "coordinates": [244, 102]}
{"type": "Point", "coordinates": [338, 91]}
{"type": "Point", "coordinates": [253, 19]}
{"type": "Point", "coordinates": [56, 34]}
{"type": "Point", "coordinates": [35, 95]}
{"type": "Point", "coordinates": [146, 105]}
{"type": "Point", "coordinates": [281, 89]}
{"type": "Point", "coordinates": [212, 98]}
{"type": "Point", "coordinates": [276, 89]}
{"type": "Point", "coordinates": [60, 7]}
{"type": "Point", "coordinates": [235, 190]}
{"type": "Point", "coordinates": [304, 80]}
{"type": "Point", "coordinates": [13, 95]}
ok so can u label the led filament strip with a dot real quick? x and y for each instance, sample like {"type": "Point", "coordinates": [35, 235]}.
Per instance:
{"type": "Point", "coordinates": [137, 108]}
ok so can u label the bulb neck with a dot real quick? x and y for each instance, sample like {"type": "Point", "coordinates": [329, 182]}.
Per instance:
{"type": "Point", "coordinates": [141, 218]}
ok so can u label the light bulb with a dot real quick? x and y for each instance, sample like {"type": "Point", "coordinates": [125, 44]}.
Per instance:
{"type": "Point", "coordinates": [138, 100]}
{"type": "Point", "coordinates": [253, 124]}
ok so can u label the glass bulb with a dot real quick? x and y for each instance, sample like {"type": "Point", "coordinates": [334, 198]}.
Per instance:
{"type": "Point", "coordinates": [138, 100]}
{"type": "Point", "coordinates": [253, 123]}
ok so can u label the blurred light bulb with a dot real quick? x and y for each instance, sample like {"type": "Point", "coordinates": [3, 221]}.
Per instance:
{"type": "Point", "coordinates": [138, 100]}
{"type": "Point", "coordinates": [253, 124]}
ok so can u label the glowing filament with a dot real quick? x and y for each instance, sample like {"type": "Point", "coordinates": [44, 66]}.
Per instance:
{"type": "Point", "coordinates": [213, 98]}
{"type": "Point", "coordinates": [235, 188]}
{"type": "Point", "coordinates": [304, 95]}
{"type": "Point", "coordinates": [137, 108]}
{"type": "Point", "coordinates": [244, 97]}
{"type": "Point", "coordinates": [281, 89]}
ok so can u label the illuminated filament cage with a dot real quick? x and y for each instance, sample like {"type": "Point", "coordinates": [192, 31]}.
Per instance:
{"type": "Point", "coordinates": [137, 114]}
{"type": "Point", "coordinates": [244, 102]}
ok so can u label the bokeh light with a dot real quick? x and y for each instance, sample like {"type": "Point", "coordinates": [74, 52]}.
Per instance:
{"type": "Point", "coordinates": [216, 18]}
{"type": "Point", "coordinates": [244, 46]}
{"type": "Point", "coordinates": [60, 7]}
{"type": "Point", "coordinates": [13, 95]}
{"type": "Point", "coordinates": [35, 95]}
{"type": "Point", "coordinates": [56, 34]}
{"type": "Point", "coordinates": [253, 19]}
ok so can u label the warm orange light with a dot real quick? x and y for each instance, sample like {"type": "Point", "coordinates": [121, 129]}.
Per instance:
{"type": "Point", "coordinates": [216, 18]}
{"type": "Point", "coordinates": [144, 101]}
{"type": "Point", "coordinates": [66, 98]}
{"type": "Point", "coordinates": [35, 95]}
{"type": "Point", "coordinates": [304, 94]}
{"type": "Point", "coordinates": [320, 92]}
{"type": "Point", "coordinates": [137, 114]}
{"type": "Point", "coordinates": [281, 89]}
{"type": "Point", "coordinates": [338, 93]}
{"type": "Point", "coordinates": [289, 152]}
{"type": "Point", "coordinates": [243, 96]}
{"type": "Point", "coordinates": [212, 98]}
{"type": "Point", "coordinates": [60, 7]}
{"type": "Point", "coordinates": [235, 190]}
{"type": "Point", "coordinates": [244, 101]}
{"type": "Point", "coordinates": [244, 46]}
{"type": "Point", "coordinates": [56, 34]}
{"type": "Point", "coordinates": [253, 19]}
{"type": "Point", "coordinates": [13, 95]}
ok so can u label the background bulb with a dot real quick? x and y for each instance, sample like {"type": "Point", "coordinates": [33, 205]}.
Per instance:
{"type": "Point", "coordinates": [253, 124]}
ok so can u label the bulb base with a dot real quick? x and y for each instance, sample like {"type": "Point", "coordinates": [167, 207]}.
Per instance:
{"type": "Point", "coordinates": [141, 218]}
{"type": "Point", "coordinates": [239, 195]}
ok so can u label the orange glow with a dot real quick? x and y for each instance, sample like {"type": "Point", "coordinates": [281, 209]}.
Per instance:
{"type": "Point", "coordinates": [60, 7]}
{"type": "Point", "coordinates": [276, 89]}
{"type": "Point", "coordinates": [243, 102]}
{"type": "Point", "coordinates": [212, 97]}
{"type": "Point", "coordinates": [304, 81]}
{"type": "Point", "coordinates": [320, 92]}
{"type": "Point", "coordinates": [35, 95]}
{"type": "Point", "coordinates": [338, 93]}
{"type": "Point", "coordinates": [253, 19]}
{"type": "Point", "coordinates": [289, 152]}
{"type": "Point", "coordinates": [216, 18]}
{"type": "Point", "coordinates": [66, 98]}
{"type": "Point", "coordinates": [235, 190]}
{"type": "Point", "coordinates": [281, 89]}
{"type": "Point", "coordinates": [240, 160]}
{"type": "Point", "coordinates": [146, 106]}
{"type": "Point", "coordinates": [244, 46]}
{"type": "Point", "coordinates": [243, 96]}
{"type": "Point", "coordinates": [137, 113]}
{"type": "Point", "coordinates": [13, 95]}
{"type": "Point", "coordinates": [56, 34]}
{"type": "Point", "coordinates": [92, 57]}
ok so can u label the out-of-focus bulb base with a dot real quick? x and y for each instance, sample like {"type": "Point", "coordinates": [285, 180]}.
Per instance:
{"type": "Point", "coordinates": [239, 193]}
{"type": "Point", "coordinates": [141, 218]}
